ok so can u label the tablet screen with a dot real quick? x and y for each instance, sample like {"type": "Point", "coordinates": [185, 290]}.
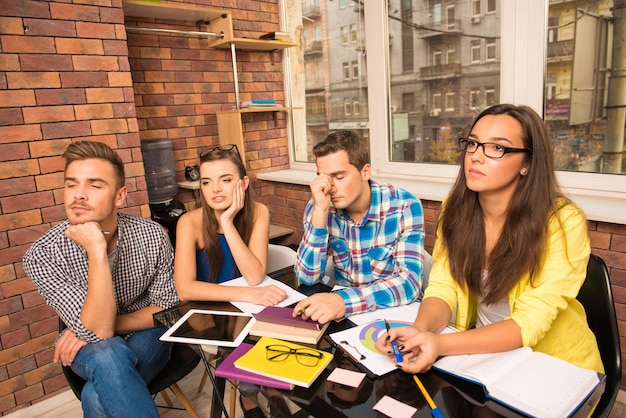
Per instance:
{"type": "Point", "coordinates": [218, 328]}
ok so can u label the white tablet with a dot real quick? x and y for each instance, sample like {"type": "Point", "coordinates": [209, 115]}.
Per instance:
{"type": "Point", "coordinates": [218, 328]}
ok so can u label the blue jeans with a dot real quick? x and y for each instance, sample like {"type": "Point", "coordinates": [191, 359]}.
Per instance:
{"type": "Point", "coordinates": [117, 372]}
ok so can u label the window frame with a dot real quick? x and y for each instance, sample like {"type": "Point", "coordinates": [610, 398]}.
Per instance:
{"type": "Point", "coordinates": [523, 68]}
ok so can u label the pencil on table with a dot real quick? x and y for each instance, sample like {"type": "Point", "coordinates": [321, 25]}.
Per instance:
{"type": "Point", "coordinates": [433, 407]}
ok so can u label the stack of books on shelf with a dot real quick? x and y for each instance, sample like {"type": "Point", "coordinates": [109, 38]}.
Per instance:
{"type": "Point", "coordinates": [288, 368]}
{"type": "Point", "coordinates": [277, 36]}
{"type": "Point", "coordinates": [278, 322]}
{"type": "Point", "coordinates": [259, 103]}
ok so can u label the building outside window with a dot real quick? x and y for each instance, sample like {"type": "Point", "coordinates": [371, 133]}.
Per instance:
{"type": "Point", "coordinates": [566, 72]}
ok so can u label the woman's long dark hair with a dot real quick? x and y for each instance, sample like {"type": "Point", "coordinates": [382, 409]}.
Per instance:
{"type": "Point", "coordinates": [525, 232]}
{"type": "Point", "coordinates": [243, 220]}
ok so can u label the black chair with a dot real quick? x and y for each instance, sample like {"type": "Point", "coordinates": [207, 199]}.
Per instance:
{"type": "Point", "coordinates": [597, 298]}
{"type": "Point", "coordinates": [182, 362]}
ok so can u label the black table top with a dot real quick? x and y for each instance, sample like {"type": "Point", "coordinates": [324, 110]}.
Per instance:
{"type": "Point", "coordinates": [454, 397]}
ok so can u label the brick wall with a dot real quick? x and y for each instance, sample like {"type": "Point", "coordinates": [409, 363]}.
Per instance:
{"type": "Point", "coordinates": [68, 72]}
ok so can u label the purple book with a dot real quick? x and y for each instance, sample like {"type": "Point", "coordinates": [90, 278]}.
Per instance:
{"type": "Point", "coordinates": [282, 316]}
{"type": "Point", "coordinates": [227, 370]}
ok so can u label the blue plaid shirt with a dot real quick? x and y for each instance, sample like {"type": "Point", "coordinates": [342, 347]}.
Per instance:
{"type": "Point", "coordinates": [378, 259]}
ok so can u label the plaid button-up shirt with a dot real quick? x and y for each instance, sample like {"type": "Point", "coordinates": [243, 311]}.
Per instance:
{"type": "Point", "coordinates": [142, 271]}
{"type": "Point", "coordinates": [379, 259]}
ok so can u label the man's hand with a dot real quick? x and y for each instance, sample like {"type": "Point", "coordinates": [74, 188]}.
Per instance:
{"type": "Point", "coordinates": [320, 191]}
{"type": "Point", "coordinates": [321, 307]}
{"type": "Point", "coordinates": [88, 235]}
{"type": "Point", "coordinates": [67, 347]}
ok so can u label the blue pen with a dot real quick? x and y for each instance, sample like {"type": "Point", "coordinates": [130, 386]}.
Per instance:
{"type": "Point", "coordinates": [394, 346]}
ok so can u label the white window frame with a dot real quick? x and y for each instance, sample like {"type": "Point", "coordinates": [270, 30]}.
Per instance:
{"type": "Point", "coordinates": [522, 57]}
{"type": "Point", "coordinates": [437, 98]}
{"type": "Point", "coordinates": [345, 35]}
{"type": "Point", "coordinates": [449, 101]}
{"type": "Point", "coordinates": [347, 108]}
{"type": "Point", "coordinates": [475, 45]}
{"type": "Point", "coordinates": [490, 47]}
{"type": "Point", "coordinates": [345, 70]}
{"type": "Point", "coordinates": [474, 97]}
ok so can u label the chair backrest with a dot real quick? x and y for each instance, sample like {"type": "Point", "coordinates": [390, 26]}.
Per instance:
{"type": "Point", "coordinates": [597, 298]}
{"type": "Point", "coordinates": [279, 256]}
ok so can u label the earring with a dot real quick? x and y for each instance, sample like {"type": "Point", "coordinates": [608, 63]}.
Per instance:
{"type": "Point", "coordinates": [523, 172]}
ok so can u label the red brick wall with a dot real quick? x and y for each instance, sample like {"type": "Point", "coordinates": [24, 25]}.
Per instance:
{"type": "Point", "coordinates": [67, 72]}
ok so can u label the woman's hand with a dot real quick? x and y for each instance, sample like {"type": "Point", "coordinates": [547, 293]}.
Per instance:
{"type": "Point", "coordinates": [419, 349]}
{"type": "Point", "coordinates": [266, 295]}
{"type": "Point", "coordinates": [228, 216]}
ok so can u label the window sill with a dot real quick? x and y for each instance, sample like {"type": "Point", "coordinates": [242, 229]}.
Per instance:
{"type": "Point", "coordinates": [599, 205]}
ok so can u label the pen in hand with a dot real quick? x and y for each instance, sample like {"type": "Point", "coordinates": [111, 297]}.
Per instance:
{"type": "Point", "coordinates": [397, 353]}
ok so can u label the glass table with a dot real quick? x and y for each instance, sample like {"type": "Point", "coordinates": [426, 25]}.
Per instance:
{"type": "Point", "coordinates": [454, 397]}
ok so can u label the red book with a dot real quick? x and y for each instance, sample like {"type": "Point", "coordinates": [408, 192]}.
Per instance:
{"type": "Point", "coordinates": [282, 316]}
{"type": "Point", "coordinates": [227, 370]}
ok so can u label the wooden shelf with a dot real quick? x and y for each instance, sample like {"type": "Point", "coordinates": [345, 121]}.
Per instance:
{"type": "Point", "coordinates": [260, 109]}
{"type": "Point", "coordinates": [170, 11]}
{"type": "Point", "coordinates": [252, 44]}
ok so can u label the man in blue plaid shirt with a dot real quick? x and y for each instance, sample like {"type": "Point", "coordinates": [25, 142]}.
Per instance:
{"type": "Point", "coordinates": [105, 274]}
{"type": "Point", "coordinates": [373, 233]}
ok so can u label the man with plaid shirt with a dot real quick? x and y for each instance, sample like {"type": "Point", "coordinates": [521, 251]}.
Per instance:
{"type": "Point", "coordinates": [105, 274]}
{"type": "Point", "coordinates": [373, 233]}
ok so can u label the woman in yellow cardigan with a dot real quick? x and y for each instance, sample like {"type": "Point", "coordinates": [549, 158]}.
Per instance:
{"type": "Point", "coordinates": [510, 256]}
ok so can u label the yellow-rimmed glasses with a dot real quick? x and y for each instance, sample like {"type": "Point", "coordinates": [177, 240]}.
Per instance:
{"type": "Point", "coordinates": [226, 147]}
{"type": "Point", "coordinates": [305, 356]}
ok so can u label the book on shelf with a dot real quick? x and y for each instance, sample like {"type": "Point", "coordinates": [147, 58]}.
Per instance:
{"type": "Point", "coordinates": [227, 370]}
{"type": "Point", "coordinates": [288, 369]}
{"type": "Point", "coordinates": [277, 36]}
{"type": "Point", "coordinates": [259, 103]}
{"type": "Point", "coordinates": [530, 382]}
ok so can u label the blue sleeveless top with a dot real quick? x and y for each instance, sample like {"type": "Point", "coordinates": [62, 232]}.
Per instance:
{"type": "Point", "coordinates": [228, 270]}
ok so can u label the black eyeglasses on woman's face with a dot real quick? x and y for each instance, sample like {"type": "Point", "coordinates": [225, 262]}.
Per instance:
{"type": "Point", "coordinates": [490, 149]}
{"type": "Point", "coordinates": [227, 147]}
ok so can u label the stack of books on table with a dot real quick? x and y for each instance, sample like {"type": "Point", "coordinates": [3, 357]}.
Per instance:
{"type": "Point", "coordinates": [277, 36]}
{"type": "Point", "coordinates": [278, 322]}
{"type": "Point", "coordinates": [259, 103]}
{"type": "Point", "coordinates": [283, 371]}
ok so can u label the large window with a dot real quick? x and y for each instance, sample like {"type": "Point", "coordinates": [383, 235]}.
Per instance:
{"type": "Point", "coordinates": [455, 58]}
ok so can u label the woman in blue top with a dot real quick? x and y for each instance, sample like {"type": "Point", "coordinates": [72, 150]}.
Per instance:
{"type": "Point", "coordinates": [225, 238]}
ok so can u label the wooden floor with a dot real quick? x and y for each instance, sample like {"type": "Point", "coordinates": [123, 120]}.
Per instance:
{"type": "Point", "coordinates": [67, 406]}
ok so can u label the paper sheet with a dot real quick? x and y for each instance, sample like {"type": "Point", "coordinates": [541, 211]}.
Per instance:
{"type": "Point", "coordinates": [392, 408]}
{"type": "Point", "coordinates": [293, 296]}
{"type": "Point", "coordinates": [346, 377]}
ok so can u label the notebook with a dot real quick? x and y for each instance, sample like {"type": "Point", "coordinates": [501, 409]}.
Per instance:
{"type": "Point", "coordinates": [227, 370]}
{"type": "Point", "coordinates": [289, 370]}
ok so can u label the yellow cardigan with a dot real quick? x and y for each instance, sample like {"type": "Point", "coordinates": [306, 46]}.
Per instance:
{"type": "Point", "coordinates": [550, 318]}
